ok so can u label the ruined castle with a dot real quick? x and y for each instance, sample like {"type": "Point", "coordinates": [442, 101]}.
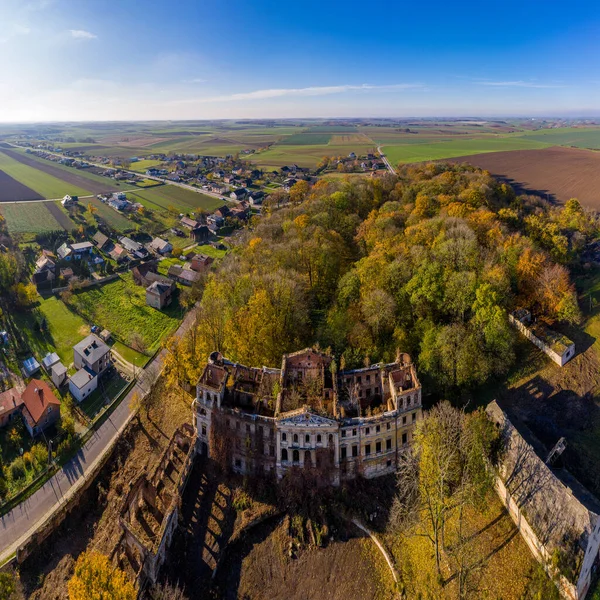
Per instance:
{"type": "Point", "coordinates": [307, 414]}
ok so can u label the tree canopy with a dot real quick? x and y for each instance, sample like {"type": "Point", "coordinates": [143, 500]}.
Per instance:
{"type": "Point", "coordinates": [430, 261]}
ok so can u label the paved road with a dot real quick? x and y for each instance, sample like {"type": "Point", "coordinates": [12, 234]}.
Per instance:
{"type": "Point", "coordinates": [17, 525]}
{"type": "Point", "coordinates": [386, 161]}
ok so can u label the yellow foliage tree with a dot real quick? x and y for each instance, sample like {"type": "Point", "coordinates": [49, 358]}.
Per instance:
{"type": "Point", "coordinates": [95, 578]}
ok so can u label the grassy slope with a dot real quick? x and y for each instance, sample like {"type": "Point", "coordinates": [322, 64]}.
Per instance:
{"type": "Point", "coordinates": [28, 217]}
{"type": "Point", "coordinates": [44, 184]}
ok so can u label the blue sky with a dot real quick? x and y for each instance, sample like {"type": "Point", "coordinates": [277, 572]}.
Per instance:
{"type": "Point", "coordinates": [191, 59]}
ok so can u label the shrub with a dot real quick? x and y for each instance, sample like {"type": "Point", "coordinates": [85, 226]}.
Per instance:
{"type": "Point", "coordinates": [17, 469]}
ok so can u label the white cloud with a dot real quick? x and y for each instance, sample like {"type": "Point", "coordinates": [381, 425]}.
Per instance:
{"type": "Point", "coordinates": [521, 84]}
{"type": "Point", "coordinates": [82, 34]}
{"type": "Point", "coordinates": [194, 80]}
{"type": "Point", "coordinates": [309, 91]}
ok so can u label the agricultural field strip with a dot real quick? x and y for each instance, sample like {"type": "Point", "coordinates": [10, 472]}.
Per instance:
{"type": "Point", "coordinates": [29, 217]}
{"type": "Point", "coordinates": [44, 184]}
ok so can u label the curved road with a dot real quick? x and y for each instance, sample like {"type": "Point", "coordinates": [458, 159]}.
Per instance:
{"type": "Point", "coordinates": [21, 522]}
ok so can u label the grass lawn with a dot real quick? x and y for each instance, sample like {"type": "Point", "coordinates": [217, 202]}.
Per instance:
{"type": "Point", "coordinates": [64, 329]}
{"type": "Point", "coordinates": [42, 183]}
{"type": "Point", "coordinates": [108, 389]}
{"type": "Point", "coordinates": [130, 355]}
{"type": "Point", "coordinates": [120, 306]}
{"type": "Point", "coordinates": [164, 265]}
{"type": "Point", "coordinates": [29, 217]}
{"type": "Point", "coordinates": [210, 251]}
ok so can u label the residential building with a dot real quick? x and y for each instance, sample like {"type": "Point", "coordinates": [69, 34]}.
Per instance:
{"type": "Point", "coordinates": [101, 240]}
{"type": "Point", "coordinates": [189, 223]}
{"type": "Point", "coordinates": [118, 253]}
{"type": "Point", "coordinates": [200, 234]}
{"type": "Point", "coordinates": [41, 408]}
{"type": "Point", "coordinates": [10, 406]}
{"type": "Point", "coordinates": [64, 252]}
{"type": "Point", "coordinates": [92, 353]}
{"type": "Point", "coordinates": [83, 383]}
{"type": "Point", "coordinates": [256, 198]}
{"type": "Point", "coordinates": [201, 263]}
{"type": "Point", "coordinates": [183, 276]}
{"type": "Point", "coordinates": [130, 245]}
{"type": "Point", "coordinates": [159, 294]}
{"type": "Point", "coordinates": [161, 246]}
{"type": "Point", "coordinates": [343, 423]}
{"type": "Point", "coordinates": [82, 250]}
{"type": "Point", "coordinates": [239, 194]}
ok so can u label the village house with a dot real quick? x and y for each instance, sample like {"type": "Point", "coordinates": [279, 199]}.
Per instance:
{"type": "Point", "coordinates": [140, 272]}
{"type": "Point", "coordinates": [200, 234]}
{"type": "Point", "coordinates": [83, 383]}
{"type": "Point", "coordinates": [161, 246]}
{"type": "Point", "coordinates": [91, 357]}
{"type": "Point", "coordinates": [102, 241]}
{"type": "Point", "coordinates": [183, 276]}
{"type": "Point", "coordinates": [64, 252]}
{"type": "Point", "coordinates": [93, 353]}
{"type": "Point", "coordinates": [67, 273]}
{"type": "Point", "coordinates": [45, 273]}
{"type": "Point", "coordinates": [188, 223]}
{"type": "Point", "coordinates": [118, 253]}
{"type": "Point", "coordinates": [82, 250]}
{"type": "Point", "coordinates": [256, 198]}
{"type": "Point", "coordinates": [239, 194]}
{"type": "Point", "coordinates": [344, 423]}
{"type": "Point", "coordinates": [159, 294]}
{"type": "Point", "coordinates": [201, 263]}
{"type": "Point", "coordinates": [10, 405]}
{"type": "Point", "coordinates": [41, 408]}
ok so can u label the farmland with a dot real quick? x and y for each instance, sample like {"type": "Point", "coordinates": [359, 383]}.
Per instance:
{"type": "Point", "coordinates": [120, 306]}
{"type": "Point", "coordinates": [558, 173]}
{"type": "Point", "coordinates": [431, 150]}
{"type": "Point", "coordinates": [72, 179]}
{"type": "Point", "coordinates": [46, 185]}
{"type": "Point", "coordinates": [12, 190]}
{"type": "Point", "coordinates": [30, 217]}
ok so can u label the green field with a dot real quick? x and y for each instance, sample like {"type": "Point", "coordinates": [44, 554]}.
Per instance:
{"type": "Point", "coordinates": [306, 139]}
{"type": "Point", "coordinates": [28, 217]}
{"type": "Point", "coordinates": [120, 306]}
{"type": "Point", "coordinates": [42, 183]}
{"type": "Point", "coordinates": [408, 153]}
{"type": "Point", "coordinates": [568, 136]}
{"type": "Point", "coordinates": [142, 165]}
{"type": "Point", "coordinates": [79, 172]}
{"type": "Point", "coordinates": [183, 200]}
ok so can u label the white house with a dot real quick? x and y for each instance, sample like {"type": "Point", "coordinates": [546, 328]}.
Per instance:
{"type": "Point", "coordinates": [161, 246]}
{"type": "Point", "coordinates": [83, 383]}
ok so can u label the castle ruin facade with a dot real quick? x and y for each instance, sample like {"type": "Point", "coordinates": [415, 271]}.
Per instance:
{"type": "Point", "coordinates": [307, 415]}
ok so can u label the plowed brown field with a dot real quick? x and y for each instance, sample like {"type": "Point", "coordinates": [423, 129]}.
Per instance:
{"type": "Point", "coordinates": [554, 173]}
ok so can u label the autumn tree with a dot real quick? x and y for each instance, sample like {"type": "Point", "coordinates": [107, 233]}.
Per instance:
{"type": "Point", "coordinates": [95, 577]}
